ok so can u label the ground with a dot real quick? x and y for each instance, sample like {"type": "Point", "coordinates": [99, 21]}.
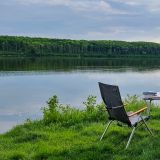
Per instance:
{"type": "Point", "coordinates": [36, 140]}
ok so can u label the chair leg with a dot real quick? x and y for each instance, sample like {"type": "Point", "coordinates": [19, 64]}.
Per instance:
{"type": "Point", "coordinates": [131, 135]}
{"type": "Point", "coordinates": [147, 126]}
{"type": "Point", "coordinates": [105, 129]}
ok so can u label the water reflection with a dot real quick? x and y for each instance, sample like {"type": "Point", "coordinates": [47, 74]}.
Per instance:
{"type": "Point", "coordinates": [68, 64]}
{"type": "Point", "coordinates": [26, 84]}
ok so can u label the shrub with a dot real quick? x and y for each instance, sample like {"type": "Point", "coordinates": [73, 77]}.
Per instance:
{"type": "Point", "coordinates": [67, 115]}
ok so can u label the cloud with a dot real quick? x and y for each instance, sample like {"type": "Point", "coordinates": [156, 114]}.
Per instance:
{"type": "Point", "coordinates": [150, 5]}
{"type": "Point", "coordinates": [81, 5]}
{"type": "Point", "coordinates": [82, 19]}
{"type": "Point", "coordinates": [119, 33]}
{"type": "Point", "coordinates": [47, 2]}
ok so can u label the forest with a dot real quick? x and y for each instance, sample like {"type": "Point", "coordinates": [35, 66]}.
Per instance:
{"type": "Point", "coordinates": [27, 46]}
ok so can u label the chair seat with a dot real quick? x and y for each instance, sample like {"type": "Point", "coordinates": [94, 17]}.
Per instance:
{"type": "Point", "coordinates": [137, 118]}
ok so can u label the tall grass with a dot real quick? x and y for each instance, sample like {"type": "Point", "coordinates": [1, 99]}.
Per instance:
{"type": "Point", "coordinates": [67, 115]}
{"type": "Point", "coordinates": [54, 112]}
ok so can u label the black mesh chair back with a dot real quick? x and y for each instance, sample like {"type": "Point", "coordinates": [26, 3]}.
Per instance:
{"type": "Point", "coordinates": [114, 105]}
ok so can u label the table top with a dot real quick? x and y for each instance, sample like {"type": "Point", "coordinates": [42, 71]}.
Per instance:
{"type": "Point", "coordinates": [151, 97]}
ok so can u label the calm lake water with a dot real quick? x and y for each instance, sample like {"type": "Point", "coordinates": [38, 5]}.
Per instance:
{"type": "Point", "coordinates": [27, 83]}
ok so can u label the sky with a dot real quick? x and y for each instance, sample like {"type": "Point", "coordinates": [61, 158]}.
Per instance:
{"type": "Point", "coordinates": [129, 20]}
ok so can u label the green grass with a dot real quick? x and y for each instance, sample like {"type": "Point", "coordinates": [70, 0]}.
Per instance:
{"type": "Point", "coordinates": [65, 133]}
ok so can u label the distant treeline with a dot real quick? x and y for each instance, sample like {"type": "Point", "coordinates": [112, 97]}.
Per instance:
{"type": "Point", "coordinates": [25, 46]}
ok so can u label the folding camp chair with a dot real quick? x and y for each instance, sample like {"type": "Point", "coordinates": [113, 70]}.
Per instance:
{"type": "Point", "coordinates": [115, 107]}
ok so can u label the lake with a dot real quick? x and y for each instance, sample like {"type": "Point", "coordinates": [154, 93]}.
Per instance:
{"type": "Point", "coordinates": [27, 83]}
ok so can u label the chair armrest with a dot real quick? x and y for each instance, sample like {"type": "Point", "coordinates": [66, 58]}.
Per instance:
{"type": "Point", "coordinates": [137, 112]}
{"type": "Point", "coordinates": [112, 107]}
{"type": "Point", "coordinates": [116, 107]}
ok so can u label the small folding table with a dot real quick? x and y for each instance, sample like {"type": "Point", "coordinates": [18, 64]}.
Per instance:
{"type": "Point", "coordinates": [149, 97]}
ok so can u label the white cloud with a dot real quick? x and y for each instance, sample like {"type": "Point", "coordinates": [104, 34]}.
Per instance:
{"type": "Point", "coordinates": [82, 19]}
{"type": "Point", "coordinates": [81, 5]}
{"type": "Point", "coordinates": [116, 33]}
{"type": "Point", "coordinates": [119, 33]}
{"type": "Point", "coordinates": [48, 2]}
{"type": "Point", "coordinates": [150, 5]}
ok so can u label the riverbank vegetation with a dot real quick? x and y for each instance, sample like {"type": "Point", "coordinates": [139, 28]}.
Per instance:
{"type": "Point", "coordinates": [65, 132]}
{"type": "Point", "coordinates": [25, 46]}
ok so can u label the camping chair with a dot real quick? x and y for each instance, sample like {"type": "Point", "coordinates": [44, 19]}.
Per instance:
{"type": "Point", "coordinates": [115, 107]}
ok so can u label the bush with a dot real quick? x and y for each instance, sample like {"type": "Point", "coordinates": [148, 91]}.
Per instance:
{"type": "Point", "coordinates": [67, 115]}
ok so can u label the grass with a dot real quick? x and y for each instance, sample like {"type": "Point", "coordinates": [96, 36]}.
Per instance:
{"type": "Point", "coordinates": [65, 133]}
